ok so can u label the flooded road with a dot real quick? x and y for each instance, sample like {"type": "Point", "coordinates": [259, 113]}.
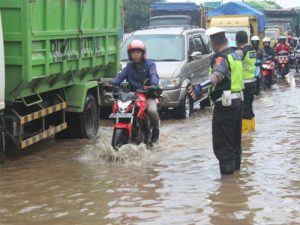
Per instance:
{"type": "Point", "coordinates": [77, 182]}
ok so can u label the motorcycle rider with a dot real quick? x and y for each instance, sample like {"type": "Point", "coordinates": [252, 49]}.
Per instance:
{"type": "Point", "coordinates": [136, 72]}
{"type": "Point", "coordinates": [268, 51]}
{"type": "Point", "coordinates": [259, 59]}
{"type": "Point", "coordinates": [226, 84]}
{"type": "Point", "coordinates": [282, 45]}
{"type": "Point", "coordinates": [267, 47]}
{"type": "Point", "coordinates": [248, 55]}
{"type": "Point", "coordinates": [290, 40]}
{"type": "Point", "coordinates": [297, 46]}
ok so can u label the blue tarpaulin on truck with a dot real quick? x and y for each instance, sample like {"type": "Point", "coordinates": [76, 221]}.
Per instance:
{"type": "Point", "coordinates": [240, 8]}
{"type": "Point", "coordinates": [174, 6]}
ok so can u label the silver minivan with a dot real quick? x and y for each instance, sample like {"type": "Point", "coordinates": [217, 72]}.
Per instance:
{"type": "Point", "coordinates": [182, 56]}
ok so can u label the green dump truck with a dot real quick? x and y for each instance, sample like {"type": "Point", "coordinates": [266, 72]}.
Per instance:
{"type": "Point", "coordinates": [55, 54]}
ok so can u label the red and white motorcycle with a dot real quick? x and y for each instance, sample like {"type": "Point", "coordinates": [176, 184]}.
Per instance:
{"type": "Point", "coordinates": [132, 123]}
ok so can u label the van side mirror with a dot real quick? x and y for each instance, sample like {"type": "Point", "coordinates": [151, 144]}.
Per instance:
{"type": "Point", "coordinates": [196, 56]}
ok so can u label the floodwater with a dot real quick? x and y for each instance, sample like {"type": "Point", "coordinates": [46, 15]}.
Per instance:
{"type": "Point", "coordinates": [178, 182]}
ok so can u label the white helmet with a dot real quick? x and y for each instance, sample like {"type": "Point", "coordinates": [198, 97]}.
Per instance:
{"type": "Point", "coordinates": [255, 38]}
{"type": "Point", "coordinates": [266, 39]}
{"type": "Point", "coordinates": [214, 30]}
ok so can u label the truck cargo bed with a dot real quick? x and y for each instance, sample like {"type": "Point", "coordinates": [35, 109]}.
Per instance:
{"type": "Point", "coordinates": [51, 44]}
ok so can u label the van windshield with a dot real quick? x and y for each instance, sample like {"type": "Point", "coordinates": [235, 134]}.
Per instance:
{"type": "Point", "coordinates": [159, 47]}
{"type": "Point", "coordinates": [231, 33]}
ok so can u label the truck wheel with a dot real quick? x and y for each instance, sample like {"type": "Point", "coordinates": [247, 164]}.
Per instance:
{"type": "Point", "coordinates": [89, 118]}
{"type": "Point", "coordinates": [185, 108]}
{"type": "Point", "coordinates": [82, 125]}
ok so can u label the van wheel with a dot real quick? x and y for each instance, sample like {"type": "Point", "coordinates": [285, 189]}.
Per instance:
{"type": "Point", "coordinates": [85, 124]}
{"type": "Point", "coordinates": [184, 110]}
{"type": "Point", "coordinates": [205, 103]}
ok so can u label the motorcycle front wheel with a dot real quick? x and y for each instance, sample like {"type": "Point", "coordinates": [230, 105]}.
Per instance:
{"type": "Point", "coordinates": [120, 138]}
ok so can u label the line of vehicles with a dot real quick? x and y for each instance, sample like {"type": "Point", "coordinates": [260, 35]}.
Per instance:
{"type": "Point", "coordinates": [54, 70]}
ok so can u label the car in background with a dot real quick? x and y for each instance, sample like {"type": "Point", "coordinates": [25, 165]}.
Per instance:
{"type": "Point", "coordinates": [182, 56]}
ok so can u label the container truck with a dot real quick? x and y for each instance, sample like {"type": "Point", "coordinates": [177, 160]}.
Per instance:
{"type": "Point", "coordinates": [55, 54]}
{"type": "Point", "coordinates": [289, 19]}
{"type": "Point", "coordinates": [178, 13]}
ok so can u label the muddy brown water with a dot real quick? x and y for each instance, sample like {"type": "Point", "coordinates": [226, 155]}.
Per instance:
{"type": "Point", "coordinates": [178, 182]}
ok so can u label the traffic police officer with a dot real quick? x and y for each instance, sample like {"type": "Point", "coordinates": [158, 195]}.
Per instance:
{"type": "Point", "coordinates": [248, 54]}
{"type": "Point", "coordinates": [226, 84]}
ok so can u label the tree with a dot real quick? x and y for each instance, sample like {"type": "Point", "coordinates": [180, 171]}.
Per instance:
{"type": "Point", "coordinates": [137, 13]}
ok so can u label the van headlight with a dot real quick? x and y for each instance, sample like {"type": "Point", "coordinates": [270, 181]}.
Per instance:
{"type": "Point", "coordinates": [167, 83]}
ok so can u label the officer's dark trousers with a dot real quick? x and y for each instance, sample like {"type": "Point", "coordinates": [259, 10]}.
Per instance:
{"type": "Point", "coordinates": [249, 92]}
{"type": "Point", "coordinates": [226, 131]}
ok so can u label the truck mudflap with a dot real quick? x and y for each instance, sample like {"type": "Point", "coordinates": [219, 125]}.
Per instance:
{"type": "Point", "coordinates": [22, 141]}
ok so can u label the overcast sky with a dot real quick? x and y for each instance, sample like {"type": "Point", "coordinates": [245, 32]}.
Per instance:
{"type": "Point", "coordinates": [283, 3]}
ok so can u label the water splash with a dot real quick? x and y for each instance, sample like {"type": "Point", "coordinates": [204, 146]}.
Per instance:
{"type": "Point", "coordinates": [102, 152]}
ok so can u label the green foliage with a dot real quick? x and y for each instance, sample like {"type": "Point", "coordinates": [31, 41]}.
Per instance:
{"type": "Point", "coordinates": [137, 13]}
{"type": "Point", "coordinates": [263, 5]}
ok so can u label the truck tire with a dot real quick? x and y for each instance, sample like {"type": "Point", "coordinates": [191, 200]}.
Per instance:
{"type": "Point", "coordinates": [184, 110]}
{"type": "Point", "coordinates": [85, 124]}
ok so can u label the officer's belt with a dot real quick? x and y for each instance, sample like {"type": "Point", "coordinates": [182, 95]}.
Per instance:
{"type": "Point", "coordinates": [249, 80]}
{"type": "Point", "coordinates": [237, 95]}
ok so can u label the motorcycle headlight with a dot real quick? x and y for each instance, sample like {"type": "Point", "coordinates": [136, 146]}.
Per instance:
{"type": "Point", "coordinates": [123, 106]}
{"type": "Point", "coordinates": [167, 83]}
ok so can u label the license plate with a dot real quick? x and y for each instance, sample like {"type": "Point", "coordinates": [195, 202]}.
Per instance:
{"type": "Point", "coordinates": [120, 115]}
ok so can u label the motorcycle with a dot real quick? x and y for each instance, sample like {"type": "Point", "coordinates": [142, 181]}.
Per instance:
{"type": "Point", "coordinates": [267, 72]}
{"type": "Point", "coordinates": [283, 63]}
{"type": "Point", "coordinates": [132, 123]}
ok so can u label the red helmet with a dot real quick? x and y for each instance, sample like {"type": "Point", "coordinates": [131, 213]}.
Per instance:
{"type": "Point", "coordinates": [136, 45]}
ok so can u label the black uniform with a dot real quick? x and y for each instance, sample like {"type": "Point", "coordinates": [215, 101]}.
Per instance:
{"type": "Point", "coordinates": [227, 120]}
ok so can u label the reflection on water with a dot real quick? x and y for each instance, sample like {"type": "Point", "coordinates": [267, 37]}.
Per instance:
{"type": "Point", "coordinates": [87, 183]}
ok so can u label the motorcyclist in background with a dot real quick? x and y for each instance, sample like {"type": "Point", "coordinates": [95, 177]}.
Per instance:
{"type": "Point", "coordinates": [268, 50]}
{"type": "Point", "coordinates": [297, 46]}
{"type": "Point", "coordinates": [259, 59]}
{"type": "Point", "coordinates": [282, 45]}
